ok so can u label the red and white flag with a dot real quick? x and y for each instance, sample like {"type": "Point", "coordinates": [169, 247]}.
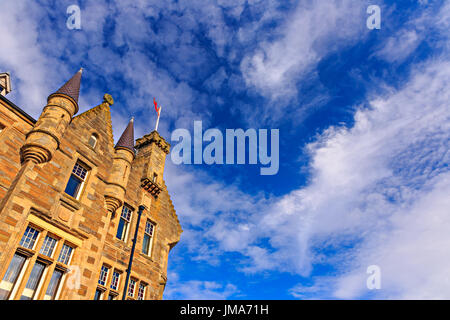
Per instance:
{"type": "Point", "coordinates": [156, 106]}
{"type": "Point", "coordinates": [158, 111]}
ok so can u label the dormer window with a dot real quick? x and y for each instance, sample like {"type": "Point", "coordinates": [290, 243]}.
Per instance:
{"type": "Point", "coordinates": [92, 141]}
{"type": "Point", "coordinates": [5, 83]}
{"type": "Point", "coordinates": [155, 178]}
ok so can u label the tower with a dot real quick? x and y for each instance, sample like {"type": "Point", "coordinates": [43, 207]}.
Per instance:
{"type": "Point", "coordinates": [153, 148]}
{"type": "Point", "coordinates": [45, 138]}
{"type": "Point", "coordinates": [123, 158]}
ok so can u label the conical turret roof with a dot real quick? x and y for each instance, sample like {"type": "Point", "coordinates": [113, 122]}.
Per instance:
{"type": "Point", "coordinates": [72, 87]}
{"type": "Point", "coordinates": [127, 138]}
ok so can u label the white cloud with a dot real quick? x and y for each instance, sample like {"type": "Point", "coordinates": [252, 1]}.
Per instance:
{"type": "Point", "coordinates": [307, 35]}
{"type": "Point", "coordinates": [199, 290]}
{"type": "Point", "coordinates": [21, 54]}
{"type": "Point", "coordinates": [382, 184]}
{"type": "Point", "coordinates": [376, 196]}
{"type": "Point", "coordinates": [400, 46]}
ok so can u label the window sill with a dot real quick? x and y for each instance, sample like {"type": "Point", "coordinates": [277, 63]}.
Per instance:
{"type": "Point", "coordinates": [146, 257]}
{"type": "Point", "coordinates": [26, 252]}
{"type": "Point", "coordinates": [122, 244]}
{"type": "Point", "coordinates": [44, 259]}
{"type": "Point", "coordinates": [102, 288]}
{"type": "Point", "coordinates": [62, 267]}
{"type": "Point", "coordinates": [70, 202]}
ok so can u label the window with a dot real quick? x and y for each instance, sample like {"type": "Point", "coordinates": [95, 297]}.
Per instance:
{"type": "Point", "coordinates": [131, 287]}
{"type": "Point", "coordinates": [124, 223]}
{"type": "Point", "coordinates": [103, 275]}
{"type": "Point", "coordinates": [76, 180]}
{"type": "Point", "coordinates": [155, 178]}
{"type": "Point", "coordinates": [112, 296]}
{"type": "Point", "coordinates": [141, 291]}
{"type": "Point", "coordinates": [105, 282]}
{"type": "Point", "coordinates": [93, 141]}
{"type": "Point", "coordinates": [2, 127]}
{"type": "Point", "coordinates": [33, 281]}
{"type": "Point", "coordinates": [53, 286]}
{"type": "Point", "coordinates": [48, 246]}
{"type": "Point", "coordinates": [11, 275]}
{"type": "Point", "coordinates": [148, 238]}
{"type": "Point", "coordinates": [29, 238]}
{"type": "Point", "coordinates": [14, 279]}
{"type": "Point", "coordinates": [98, 294]}
{"type": "Point", "coordinates": [115, 280]}
{"type": "Point", "coordinates": [65, 254]}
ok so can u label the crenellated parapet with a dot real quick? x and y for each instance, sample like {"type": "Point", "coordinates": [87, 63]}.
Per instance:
{"type": "Point", "coordinates": [154, 149]}
{"type": "Point", "coordinates": [153, 138]}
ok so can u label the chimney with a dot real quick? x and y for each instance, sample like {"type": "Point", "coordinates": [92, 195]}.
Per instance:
{"type": "Point", "coordinates": [5, 83]}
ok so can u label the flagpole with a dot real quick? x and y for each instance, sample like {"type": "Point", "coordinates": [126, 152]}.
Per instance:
{"type": "Point", "coordinates": [157, 120]}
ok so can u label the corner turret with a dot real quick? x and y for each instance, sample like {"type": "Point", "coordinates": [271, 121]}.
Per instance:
{"type": "Point", "coordinates": [118, 179]}
{"type": "Point", "coordinates": [43, 140]}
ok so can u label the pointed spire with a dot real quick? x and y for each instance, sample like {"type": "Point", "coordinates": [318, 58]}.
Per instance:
{"type": "Point", "coordinates": [72, 87]}
{"type": "Point", "coordinates": [127, 138]}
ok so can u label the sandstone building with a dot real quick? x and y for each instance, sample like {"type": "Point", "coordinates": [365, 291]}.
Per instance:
{"type": "Point", "coordinates": [70, 200]}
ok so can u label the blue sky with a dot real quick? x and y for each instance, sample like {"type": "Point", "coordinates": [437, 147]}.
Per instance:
{"type": "Point", "coordinates": [364, 132]}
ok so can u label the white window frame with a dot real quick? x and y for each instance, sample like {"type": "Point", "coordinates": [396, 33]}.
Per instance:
{"type": "Point", "coordinates": [58, 289]}
{"type": "Point", "coordinates": [70, 255]}
{"type": "Point", "coordinates": [35, 241]}
{"type": "Point", "coordinates": [106, 276]}
{"type": "Point", "coordinates": [134, 281]}
{"type": "Point", "coordinates": [35, 293]}
{"type": "Point", "coordinates": [94, 137]}
{"type": "Point", "coordinates": [83, 180]}
{"type": "Point", "coordinates": [150, 246]}
{"type": "Point", "coordinates": [54, 246]}
{"type": "Point", "coordinates": [118, 280]}
{"type": "Point", "coordinates": [15, 286]}
{"type": "Point", "coordinates": [127, 222]}
{"type": "Point", "coordinates": [144, 286]}
{"type": "Point", "coordinates": [102, 294]}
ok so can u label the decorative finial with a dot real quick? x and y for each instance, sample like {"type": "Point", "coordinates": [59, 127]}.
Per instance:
{"type": "Point", "coordinates": [107, 98]}
{"type": "Point", "coordinates": [132, 119]}
{"type": "Point", "coordinates": [81, 70]}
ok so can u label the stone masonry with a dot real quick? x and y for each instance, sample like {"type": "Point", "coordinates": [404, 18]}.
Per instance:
{"type": "Point", "coordinates": [37, 162]}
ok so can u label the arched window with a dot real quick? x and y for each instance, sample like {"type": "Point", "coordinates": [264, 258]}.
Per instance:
{"type": "Point", "coordinates": [93, 141]}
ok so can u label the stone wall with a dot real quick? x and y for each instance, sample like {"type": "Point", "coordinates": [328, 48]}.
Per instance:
{"type": "Point", "coordinates": [34, 194]}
